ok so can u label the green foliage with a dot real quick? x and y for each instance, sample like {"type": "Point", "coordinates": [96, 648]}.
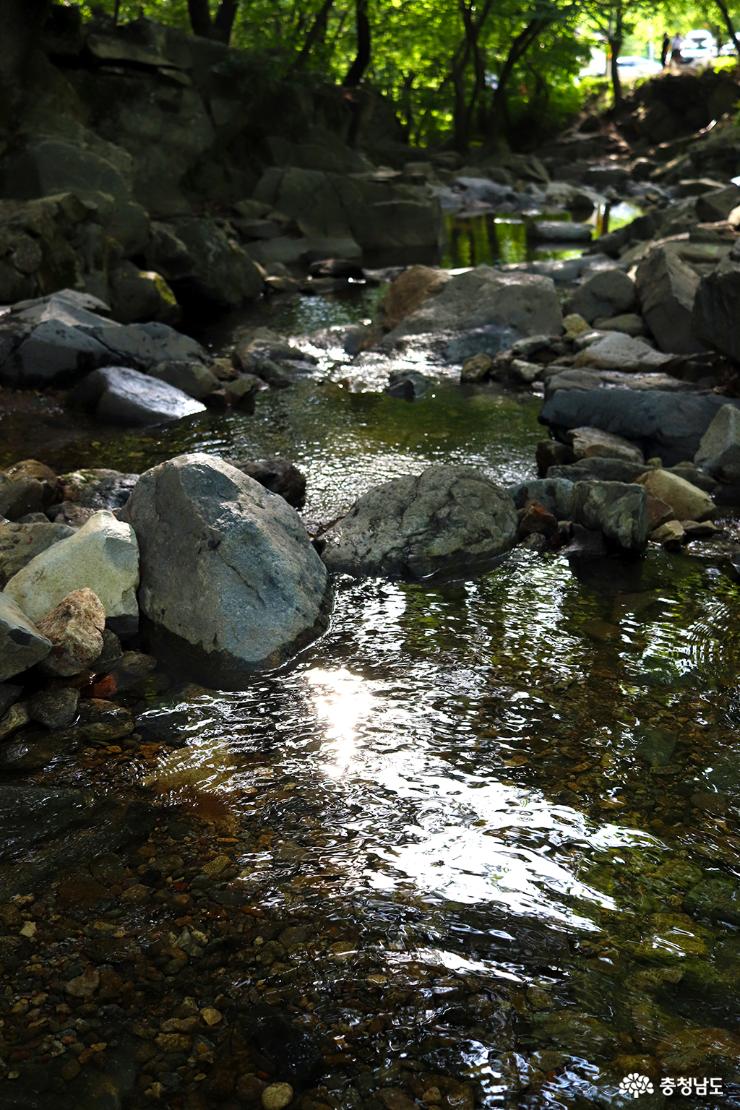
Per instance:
{"type": "Point", "coordinates": [442, 80]}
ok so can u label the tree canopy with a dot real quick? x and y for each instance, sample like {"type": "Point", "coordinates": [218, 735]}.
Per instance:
{"type": "Point", "coordinates": [466, 71]}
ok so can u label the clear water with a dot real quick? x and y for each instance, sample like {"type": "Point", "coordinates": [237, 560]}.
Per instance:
{"type": "Point", "coordinates": [510, 801]}
{"type": "Point", "coordinates": [495, 239]}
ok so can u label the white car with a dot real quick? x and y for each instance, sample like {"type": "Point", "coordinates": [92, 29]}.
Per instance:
{"type": "Point", "coordinates": [699, 46]}
{"type": "Point", "coordinates": [631, 65]}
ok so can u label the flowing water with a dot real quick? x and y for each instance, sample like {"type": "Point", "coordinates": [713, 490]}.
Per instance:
{"type": "Point", "coordinates": [501, 811]}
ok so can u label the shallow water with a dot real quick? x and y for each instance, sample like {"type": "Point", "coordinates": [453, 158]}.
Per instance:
{"type": "Point", "coordinates": [521, 781]}
{"type": "Point", "coordinates": [491, 239]}
{"type": "Point", "coordinates": [502, 808]}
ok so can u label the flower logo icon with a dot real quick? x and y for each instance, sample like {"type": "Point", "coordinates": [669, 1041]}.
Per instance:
{"type": "Point", "coordinates": [635, 1085]}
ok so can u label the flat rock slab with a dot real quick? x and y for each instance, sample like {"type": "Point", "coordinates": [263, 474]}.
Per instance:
{"type": "Point", "coordinates": [449, 520]}
{"type": "Point", "coordinates": [617, 351]}
{"type": "Point", "coordinates": [560, 231]}
{"type": "Point", "coordinates": [663, 424]}
{"type": "Point", "coordinates": [120, 395]}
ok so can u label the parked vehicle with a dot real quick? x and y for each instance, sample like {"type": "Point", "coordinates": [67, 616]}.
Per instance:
{"type": "Point", "coordinates": [699, 46]}
{"type": "Point", "coordinates": [633, 66]}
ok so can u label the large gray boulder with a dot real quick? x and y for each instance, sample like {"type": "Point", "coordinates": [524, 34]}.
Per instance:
{"type": "Point", "coordinates": [56, 339]}
{"type": "Point", "coordinates": [605, 293]}
{"type": "Point", "coordinates": [666, 288]}
{"type": "Point", "coordinates": [21, 644]}
{"type": "Point", "coordinates": [719, 450]}
{"type": "Point", "coordinates": [506, 306]}
{"type": "Point", "coordinates": [120, 395]}
{"type": "Point", "coordinates": [717, 307]}
{"type": "Point", "coordinates": [449, 520]}
{"type": "Point", "coordinates": [665, 424]}
{"type": "Point", "coordinates": [102, 556]}
{"type": "Point", "coordinates": [616, 509]}
{"type": "Point", "coordinates": [229, 579]}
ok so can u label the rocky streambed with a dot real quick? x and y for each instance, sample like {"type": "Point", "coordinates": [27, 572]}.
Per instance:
{"type": "Point", "coordinates": [368, 661]}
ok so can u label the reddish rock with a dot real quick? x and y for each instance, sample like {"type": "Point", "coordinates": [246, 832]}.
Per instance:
{"type": "Point", "coordinates": [75, 628]}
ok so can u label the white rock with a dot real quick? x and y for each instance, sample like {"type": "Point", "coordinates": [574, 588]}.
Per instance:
{"type": "Point", "coordinates": [617, 351]}
{"type": "Point", "coordinates": [102, 556]}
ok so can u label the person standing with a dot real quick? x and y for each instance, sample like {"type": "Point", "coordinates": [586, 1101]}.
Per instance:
{"type": "Point", "coordinates": [676, 47]}
{"type": "Point", "coordinates": [664, 48]}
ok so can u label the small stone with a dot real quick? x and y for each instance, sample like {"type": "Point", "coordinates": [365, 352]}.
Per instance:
{"type": "Point", "coordinates": [575, 325]}
{"type": "Point", "coordinates": [214, 867]}
{"type": "Point", "coordinates": [29, 930]}
{"type": "Point", "coordinates": [101, 720]}
{"type": "Point", "coordinates": [276, 1096]}
{"type": "Point", "coordinates": [16, 717]}
{"type": "Point", "coordinates": [55, 707]}
{"type": "Point", "coordinates": [211, 1016]}
{"type": "Point", "coordinates": [85, 985]}
{"type": "Point", "coordinates": [700, 529]}
{"type": "Point", "coordinates": [670, 534]}
{"type": "Point", "coordinates": [476, 368]}
{"type": "Point", "coordinates": [173, 1042]}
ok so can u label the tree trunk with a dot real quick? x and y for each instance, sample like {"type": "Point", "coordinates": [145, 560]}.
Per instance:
{"type": "Point", "coordinates": [734, 38]}
{"type": "Point", "coordinates": [23, 22]}
{"type": "Point", "coordinates": [223, 24]}
{"type": "Point", "coordinates": [615, 47]}
{"type": "Point", "coordinates": [356, 71]}
{"type": "Point", "coordinates": [200, 18]}
{"type": "Point", "coordinates": [316, 34]}
{"type": "Point", "coordinates": [520, 44]}
{"type": "Point", "coordinates": [219, 28]}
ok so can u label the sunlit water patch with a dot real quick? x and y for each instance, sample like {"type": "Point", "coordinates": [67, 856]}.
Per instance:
{"type": "Point", "coordinates": [504, 780]}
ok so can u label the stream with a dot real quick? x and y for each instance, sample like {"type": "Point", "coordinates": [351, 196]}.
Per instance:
{"type": "Point", "coordinates": [495, 814]}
